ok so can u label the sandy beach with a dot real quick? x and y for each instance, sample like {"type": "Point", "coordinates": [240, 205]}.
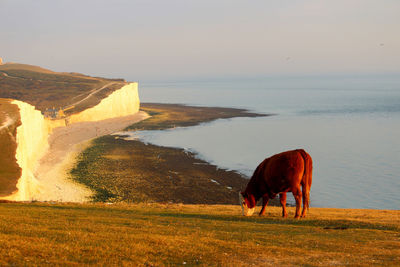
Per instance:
{"type": "Point", "coordinates": [65, 143]}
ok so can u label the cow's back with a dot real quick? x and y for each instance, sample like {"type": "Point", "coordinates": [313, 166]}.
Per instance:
{"type": "Point", "coordinates": [283, 171]}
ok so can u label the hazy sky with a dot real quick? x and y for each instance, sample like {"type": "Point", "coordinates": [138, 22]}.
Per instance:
{"type": "Point", "coordinates": [169, 39]}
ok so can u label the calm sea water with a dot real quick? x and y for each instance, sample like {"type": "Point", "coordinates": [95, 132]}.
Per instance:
{"type": "Point", "coordinates": [349, 125]}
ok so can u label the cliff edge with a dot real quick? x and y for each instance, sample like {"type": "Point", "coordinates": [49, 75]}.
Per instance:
{"type": "Point", "coordinates": [25, 131]}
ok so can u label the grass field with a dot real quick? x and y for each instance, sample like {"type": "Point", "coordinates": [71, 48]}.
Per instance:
{"type": "Point", "coordinates": [189, 235]}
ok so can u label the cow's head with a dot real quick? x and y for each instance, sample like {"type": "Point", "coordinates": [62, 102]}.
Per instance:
{"type": "Point", "coordinates": [247, 202]}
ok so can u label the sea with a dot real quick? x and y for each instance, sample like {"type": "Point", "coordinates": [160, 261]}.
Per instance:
{"type": "Point", "coordinates": [350, 125]}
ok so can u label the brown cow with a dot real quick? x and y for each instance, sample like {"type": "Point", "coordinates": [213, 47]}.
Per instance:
{"type": "Point", "coordinates": [281, 173]}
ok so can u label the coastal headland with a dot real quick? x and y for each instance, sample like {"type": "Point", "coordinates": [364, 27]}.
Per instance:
{"type": "Point", "coordinates": [47, 118]}
{"type": "Point", "coordinates": [44, 115]}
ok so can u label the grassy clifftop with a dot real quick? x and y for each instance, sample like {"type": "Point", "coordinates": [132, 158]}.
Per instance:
{"type": "Point", "coordinates": [44, 88]}
{"type": "Point", "coordinates": [188, 235]}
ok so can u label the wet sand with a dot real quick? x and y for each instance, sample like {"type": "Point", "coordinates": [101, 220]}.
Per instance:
{"type": "Point", "coordinates": [65, 143]}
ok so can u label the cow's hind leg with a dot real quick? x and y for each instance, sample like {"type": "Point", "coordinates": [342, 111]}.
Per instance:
{"type": "Point", "coordinates": [264, 205]}
{"type": "Point", "coordinates": [282, 198]}
{"type": "Point", "coordinates": [297, 196]}
{"type": "Point", "coordinates": [306, 200]}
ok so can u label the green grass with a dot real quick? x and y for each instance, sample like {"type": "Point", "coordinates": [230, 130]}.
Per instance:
{"type": "Point", "coordinates": [205, 235]}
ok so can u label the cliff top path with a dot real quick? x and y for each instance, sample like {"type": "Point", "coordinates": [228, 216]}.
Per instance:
{"type": "Point", "coordinates": [46, 89]}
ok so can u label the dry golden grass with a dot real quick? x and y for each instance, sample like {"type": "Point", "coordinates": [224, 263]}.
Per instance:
{"type": "Point", "coordinates": [206, 235]}
{"type": "Point", "coordinates": [14, 66]}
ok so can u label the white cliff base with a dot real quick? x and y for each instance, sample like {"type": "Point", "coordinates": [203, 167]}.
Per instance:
{"type": "Point", "coordinates": [65, 144]}
{"type": "Point", "coordinates": [31, 145]}
{"type": "Point", "coordinates": [45, 168]}
{"type": "Point", "coordinates": [122, 102]}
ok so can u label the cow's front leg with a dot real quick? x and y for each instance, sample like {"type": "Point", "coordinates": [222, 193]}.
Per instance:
{"type": "Point", "coordinates": [265, 202]}
{"type": "Point", "coordinates": [282, 198]}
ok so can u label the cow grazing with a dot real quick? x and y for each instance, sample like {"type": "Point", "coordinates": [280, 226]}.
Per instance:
{"type": "Point", "coordinates": [281, 173]}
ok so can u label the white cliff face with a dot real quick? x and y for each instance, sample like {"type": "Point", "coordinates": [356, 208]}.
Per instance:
{"type": "Point", "coordinates": [31, 144]}
{"type": "Point", "coordinates": [32, 141]}
{"type": "Point", "coordinates": [122, 102]}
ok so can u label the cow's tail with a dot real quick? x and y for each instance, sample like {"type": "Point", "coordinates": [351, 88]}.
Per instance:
{"type": "Point", "coordinates": [307, 177]}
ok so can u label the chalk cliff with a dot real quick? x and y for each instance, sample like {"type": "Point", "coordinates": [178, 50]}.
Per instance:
{"type": "Point", "coordinates": [32, 134]}
{"type": "Point", "coordinates": [31, 144]}
{"type": "Point", "coordinates": [122, 102]}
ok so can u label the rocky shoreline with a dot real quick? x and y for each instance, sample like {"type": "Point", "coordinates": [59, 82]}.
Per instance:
{"type": "Point", "coordinates": [120, 170]}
